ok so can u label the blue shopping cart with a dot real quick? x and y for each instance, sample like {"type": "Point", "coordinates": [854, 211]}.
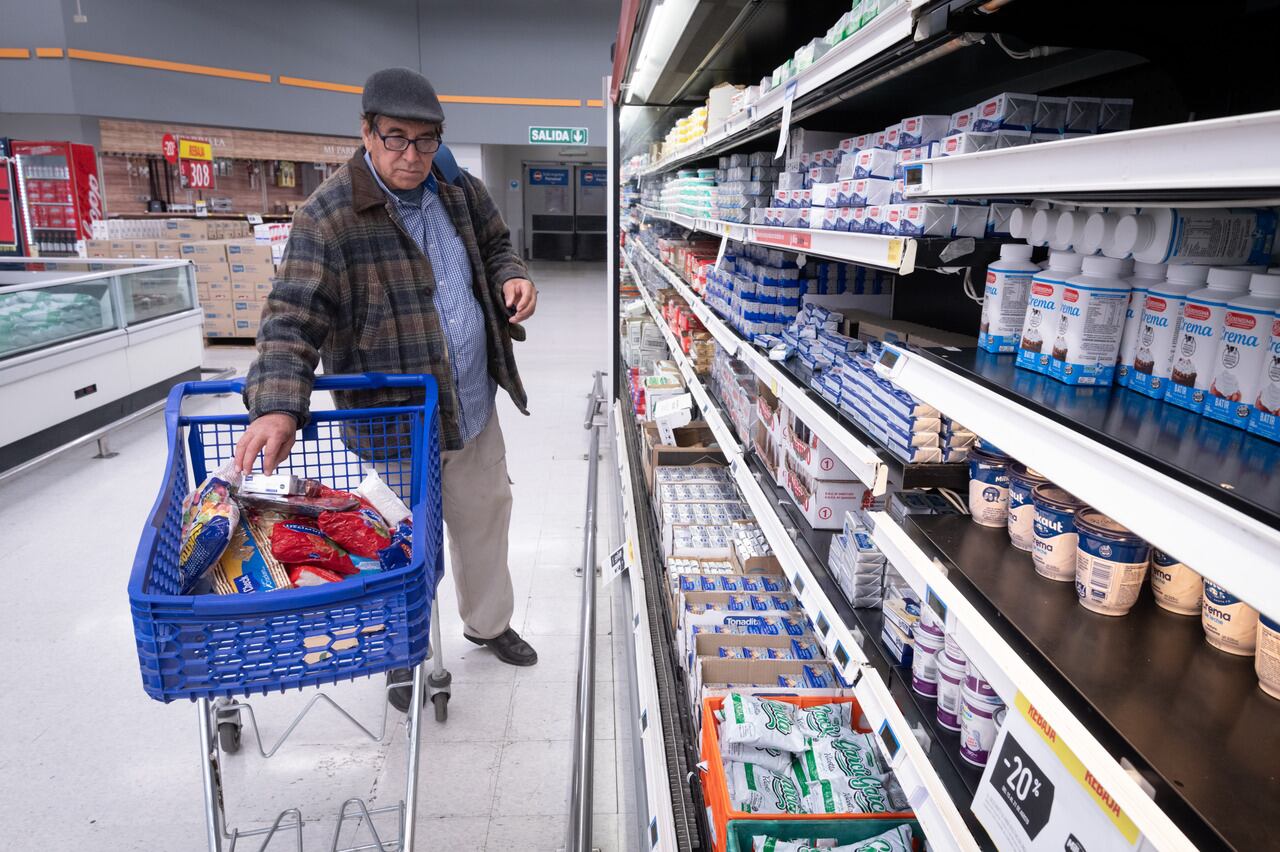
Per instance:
{"type": "Point", "coordinates": [218, 650]}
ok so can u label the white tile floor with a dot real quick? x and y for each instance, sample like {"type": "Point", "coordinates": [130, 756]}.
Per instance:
{"type": "Point", "coordinates": [92, 763]}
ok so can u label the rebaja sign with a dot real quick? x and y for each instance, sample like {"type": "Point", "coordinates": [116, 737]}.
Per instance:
{"type": "Point", "coordinates": [558, 136]}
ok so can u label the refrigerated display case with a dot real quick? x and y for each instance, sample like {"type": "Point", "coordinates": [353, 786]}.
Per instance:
{"type": "Point", "coordinates": [10, 236]}
{"type": "Point", "coordinates": [86, 342]}
{"type": "Point", "coordinates": [59, 194]}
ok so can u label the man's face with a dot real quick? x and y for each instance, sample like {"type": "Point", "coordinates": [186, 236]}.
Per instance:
{"type": "Point", "coordinates": [399, 169]}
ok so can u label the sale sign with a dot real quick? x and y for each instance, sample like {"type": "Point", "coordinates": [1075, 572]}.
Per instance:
{"type": "Point", "coordinates": [193, 149]}
{"type": "Point", "coordinates": [169, 147]}
{"type": "Point", "coordinates": [1036, 794]}
{"type": "Point", "coordinates": [197, 174]}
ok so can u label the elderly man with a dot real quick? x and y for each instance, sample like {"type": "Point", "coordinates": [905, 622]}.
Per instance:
{"type": "Point", "coordinates": [397, 266]}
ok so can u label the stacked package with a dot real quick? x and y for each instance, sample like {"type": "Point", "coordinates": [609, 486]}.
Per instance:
{"type": "Point", "coordinates": [782, 758]}
{"type": "Point", "coordinates": [744, 182]}
{"type": "Point", "coordinates": [735, 385]}
{"type": "Point", "coordinates": [857, 564]}
{"type": "Point", "coordinates": [757, 290]}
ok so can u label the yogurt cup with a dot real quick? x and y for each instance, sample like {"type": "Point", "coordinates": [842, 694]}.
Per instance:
{"type": "Point", "coordinates": [1022, 511]}
{"type": "Point", "coordinates": [1111, 564]}
{"type": "Point", "coordinates": [1266, 663]}
{"type": "Point", "coordinates": [982, 713]}
{"type": "Point", "coordinates": [924, 662]}
{"type": "Point", "coordinates": [951, 674]}
{"type": "Point", "coordinates": [1230, 624]}
{"type": "Point", "coordinates": [952, 649]}
{"type": "Point", "coordinates": [989, 487]}
{"type": "Point", "coordinates": [1175, 586]}
{"type": "Point", "coordinates": [1054, 536]}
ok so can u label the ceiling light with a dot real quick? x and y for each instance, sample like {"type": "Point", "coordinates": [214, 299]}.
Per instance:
{"type": "Point", "coordinates": [666, 24]}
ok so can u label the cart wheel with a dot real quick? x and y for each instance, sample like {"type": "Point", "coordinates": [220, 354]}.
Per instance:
{"type": "Point", "coordinates": [441, 700]}
{"type": "Point", "coordinates": [229, 737]}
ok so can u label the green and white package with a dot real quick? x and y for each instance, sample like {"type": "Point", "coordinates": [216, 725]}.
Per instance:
{"type": "Point", "coordinates": [760, 722]}
{"type": "Point", "coordinates": [772, 759]}
{"type": "Point", "coordinates": [850, 756]}
{"type": "Point", "coordinates": [756, 790]}
{"type": "Point", "coordinates": [764, 843]}
{"type": "Point", "coordinates": [853, 796]}
{"type": "Point", "coordinates": [824, 721]}
{"type": "Point", "coordinates": [894, 840]}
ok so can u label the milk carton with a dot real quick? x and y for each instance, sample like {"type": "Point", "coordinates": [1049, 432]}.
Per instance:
{"type": "Point", "coordinates": [962, 143]}
{"type": "Point", "coordinates": [1243, 347]}
{"type": "Point", "coordinates": [870, 192]}
{"type": "Point", "coordinates": [1264, 420]}
{"type": "Point", "coordinates": [1040, 324]}
{"type": "Point", "coordinates": [922, 129]}
{"type": "Point", "coordinates": [1006, 111]}
{"type": "Point", "coordinates": [1197, 339]}
{"type": "Point", "coordinates": [926, 220]}
{"type": "Point", "coordinates": [1158, 328]}
{"type": "Point", "coordinates": [1090, 324]}
{"type": "Point", "coordinates": [1004, 301]}
{"type": "Point", "coordinates": [875, 163]}
{"type": "Point", "coordinates": [1145, 276]}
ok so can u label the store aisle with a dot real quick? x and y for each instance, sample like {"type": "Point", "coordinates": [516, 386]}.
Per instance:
{"type": "Point", "coordinates": [104, 767]}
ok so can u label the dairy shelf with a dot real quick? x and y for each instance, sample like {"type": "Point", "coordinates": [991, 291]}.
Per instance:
{"type": "Point", "coordinates": [872, 464]}
{"type": "Point", "coordinates": [1198, 489]}
{"type": "Point", "coordinates": [890, 27]}
{"type": "Point", "coordinates": [1224, 159]}
{"type": "Point", "coordinates": [1147, 685]}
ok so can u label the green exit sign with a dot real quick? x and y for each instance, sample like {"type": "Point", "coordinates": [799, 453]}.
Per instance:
{"type": "Point", "coordinates": [557, 136]}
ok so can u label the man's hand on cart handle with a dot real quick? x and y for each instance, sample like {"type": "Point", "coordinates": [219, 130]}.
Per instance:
{"type": "Point", "coordinates": [522, 298]}
{"type": "Point", "coordinates": [272, 435]}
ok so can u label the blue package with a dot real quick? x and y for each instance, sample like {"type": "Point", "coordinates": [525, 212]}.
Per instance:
{"type": "Point", "coordinates": [802, 650]}
{"type": "Point", "coordinates": [816, 678]}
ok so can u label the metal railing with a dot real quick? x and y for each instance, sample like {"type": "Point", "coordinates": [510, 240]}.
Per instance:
{"type": "Point", "coordinates": [578, 838]}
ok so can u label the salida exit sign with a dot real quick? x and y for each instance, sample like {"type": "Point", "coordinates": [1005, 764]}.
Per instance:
{"type": "Point", "coordinates": [557, 136]}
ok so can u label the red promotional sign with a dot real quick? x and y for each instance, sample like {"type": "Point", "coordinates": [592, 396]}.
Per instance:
{"type": "Point", "coordinates": [169, 146]}
{"type": "Point", "coordinates": [197, 174]}
{"type": "Point", "coordinates": [784, 238]}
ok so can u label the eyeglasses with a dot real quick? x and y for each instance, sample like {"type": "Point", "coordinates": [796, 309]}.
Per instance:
{"type": "Point", "coordinates": [424, 144]}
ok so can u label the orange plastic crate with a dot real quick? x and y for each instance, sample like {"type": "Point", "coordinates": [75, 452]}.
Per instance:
{"type": "Point", "coordinates": [715, 788]}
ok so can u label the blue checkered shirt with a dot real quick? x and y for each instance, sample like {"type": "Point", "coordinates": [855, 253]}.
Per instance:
{"type": "Point", "coordinates": [460, 313]}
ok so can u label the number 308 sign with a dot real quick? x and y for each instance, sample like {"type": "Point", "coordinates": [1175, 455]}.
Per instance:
{"type": "Point", "coordinates": [197, 174]}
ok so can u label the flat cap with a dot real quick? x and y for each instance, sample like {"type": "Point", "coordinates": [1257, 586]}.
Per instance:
{"type": "Point", "coordinates": [401, 93]}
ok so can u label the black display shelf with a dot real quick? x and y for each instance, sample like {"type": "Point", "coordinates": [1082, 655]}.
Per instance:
{"type": "Point", "coordinates": [959, 779]}
{"type": "Point", "coordinates": [901, 474]}
{"type": "Point", "coordinates": [1191, 718]}
{"type": "Point", "coordinates": [1231, 466]}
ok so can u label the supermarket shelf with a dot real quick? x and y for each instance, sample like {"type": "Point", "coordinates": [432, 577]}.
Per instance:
{"type": "Point", "coordinates": [1150, 685]}
{"type": "Point", "coordinates": [874, 466]}
{"type": "Point", "coordinates": [1200, 490]}
{"type": "Point", "coordinates": [1223, 158]}
{"type": "Point", "coordinates": [661, 789]}
{"type": "Point", "coordinates": [890, 27]}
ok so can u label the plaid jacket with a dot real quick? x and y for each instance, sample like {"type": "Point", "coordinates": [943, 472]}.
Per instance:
{"type": "Point", "coordinates": [356, 290]}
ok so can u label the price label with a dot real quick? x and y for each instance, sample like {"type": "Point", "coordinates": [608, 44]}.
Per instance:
{"type": "Point", "coordinates": [895, 252]}
{"type": "Point", "coordinates": [617, 564]}
{"type": "Point", "coordinates": [197, 174]}
{"type": "Point", "coordinates": [783, 238]}
{"type": "Point", "coordinates": [1036, 795]}
{"type": "Point", "coordinates": [724, 244]}
{"type": "Point", "coordinates": [254, 219]}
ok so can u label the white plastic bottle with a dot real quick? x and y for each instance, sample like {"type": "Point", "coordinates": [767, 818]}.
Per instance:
{"type": "Point", "coordinates": [1068, 231]}
{"type": "Point", "coordinates": [1092, 321]}
{"type": "Point", "coordinates": [1043, 225]}
{"type": "Point", "coordinates": [1158, 329]}
{"type": "Point", "coordinates": [1145, 276]}
{"type": "Point", "coordinates": [1264, 420]}
{"type": "Point", "coordinates": [1197, 235]}
{"type": "Point", "coordinates": [1243, 343]}
{"type": "Point", "coordinates": [1196, 343]}
{"type": "Point", "coordinates": [1004, 300]}
{"type": "Point", "coordinates": [1040, 325]}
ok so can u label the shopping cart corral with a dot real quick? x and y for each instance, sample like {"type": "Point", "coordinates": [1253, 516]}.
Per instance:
{"type": "Point", "coordinates": [220, 650]}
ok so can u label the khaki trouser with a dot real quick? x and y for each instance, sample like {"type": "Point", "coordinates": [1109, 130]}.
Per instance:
{"type": "Point", "coordinates": [476, 498]}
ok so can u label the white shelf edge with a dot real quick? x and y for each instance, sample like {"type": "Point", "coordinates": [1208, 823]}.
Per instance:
{"type": "Point", "coordinates": [1224, 545]}
{"type": "Point", "coordinates": [1238, 152]}
{"type": "Point", "coordinates": [886, 30]}
{"type": "Point", "coordinates": [896, 254]}
{"type": "Point", "coordinates": [862, 460]}
{"type": "Point", "coordinates": [649, 723]}
{"type": "Point", "coordinates": [1009, 675]}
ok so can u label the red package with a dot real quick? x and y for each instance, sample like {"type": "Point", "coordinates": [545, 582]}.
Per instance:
{"type": "Point", "coordinates": [362, 532]}
{"type": "Point", "coordinates": [312, 575]}
{"type": "Point", "coordinates": [295, 542]}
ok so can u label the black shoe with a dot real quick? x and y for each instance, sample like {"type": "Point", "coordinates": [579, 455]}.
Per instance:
{"type": "Point", "coordinates": [402, 681]}
{"type": "Point", "coordinates": [509, 647]}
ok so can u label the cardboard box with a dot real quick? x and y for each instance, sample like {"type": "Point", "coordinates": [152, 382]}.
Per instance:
{"type": "Point", "coordinates": [247, 328]}
{"type": "Point", "coordinates": [822, 502]}
{"type": "Point", "coordinates": [143, 248]}
{"type": "Point", "coordinates": [219, 290]}
{"type": "Point", "coordinates": [246, 310]}
{"type": "Point", "coordinates": [186, 229]}
{"type": "Point", "coordinates": [248, 251]}
{"type": "Point", "coordinates": [120, 248]}
{"type": "Point", "coordinates": [212, 272]}
{"type": "Point", "coordinates": [168, 249]}
{"type": "Point", "coordinates": [203, 251]}
{"type": "Point", "coordinates": [97, 248]}
{"type": "Point", "coordinates": [251, 271]}
{"type": "Point", "coordinates": [811, 455]}
{"type": "Point", "coordinates": [723, 670]}
{"type": "Point", "coordinates": [754, 565]}
{"type": "Point", "coordinates": [219, 322]}
{"type": "Point", "coordinates": [694, 445]}
{"type": "Point", "coordinates": [263, 289]}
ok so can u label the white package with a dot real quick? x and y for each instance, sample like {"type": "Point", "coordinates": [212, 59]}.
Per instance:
{"type": "Point", "coordinates": [922, 129]}
{"type": "Point", "coordinates": [962, 143]}
{"type": "Point", "coordinates": [1007, 111]}
{"type": "Point", "coordinates": [875, 162]}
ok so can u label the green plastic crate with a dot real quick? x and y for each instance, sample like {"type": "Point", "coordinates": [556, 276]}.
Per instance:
{"type": "Point", "coordinates": [740, 831]}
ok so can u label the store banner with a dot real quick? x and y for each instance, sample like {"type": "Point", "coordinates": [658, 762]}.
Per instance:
{"type": "Point", "coordinates": [1036, 795]}
{"type": "Point", "coordinates": [593, 177]}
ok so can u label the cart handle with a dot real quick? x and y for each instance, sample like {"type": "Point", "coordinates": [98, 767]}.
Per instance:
{"type": "Point", "coordinates": [351, 381]}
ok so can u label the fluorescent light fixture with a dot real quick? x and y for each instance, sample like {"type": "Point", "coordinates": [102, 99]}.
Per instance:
{"type": "Point", "coordinates": [666, 24]}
